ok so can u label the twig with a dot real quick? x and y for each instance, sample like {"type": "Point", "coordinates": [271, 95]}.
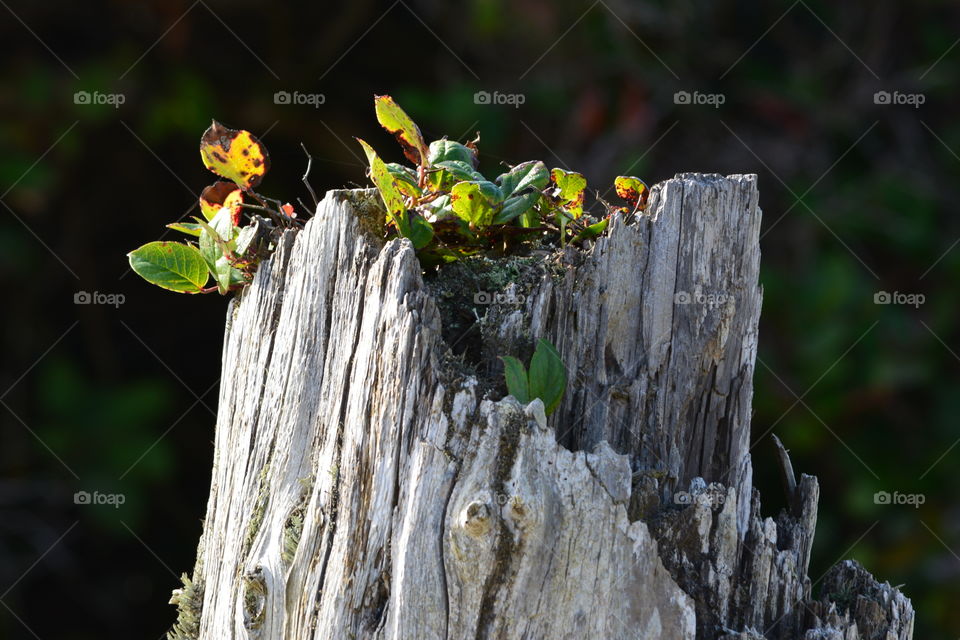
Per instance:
{"type": "Point", "coordinates": [305, 207]}
{"type": "Point", "coordinates": [306, 176]}
{"type": "Point", "coordinates": [786, 472]}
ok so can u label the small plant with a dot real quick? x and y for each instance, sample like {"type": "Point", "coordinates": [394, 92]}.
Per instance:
{"type": "Point", "coordinates": [546, 379]}
{"type": "Point", "coordinates": [442, 204]}
{"type": "Point", "coordinates": [224, 250]}
{"type": "Point", "coordinates": [449, 210]}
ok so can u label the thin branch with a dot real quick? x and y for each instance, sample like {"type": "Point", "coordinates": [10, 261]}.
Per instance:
{"type": "Point", "coordinates": [306, 176]}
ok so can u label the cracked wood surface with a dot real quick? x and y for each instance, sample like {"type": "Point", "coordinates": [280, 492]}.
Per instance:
{"type": "Point", "coordinates": [364, 486]}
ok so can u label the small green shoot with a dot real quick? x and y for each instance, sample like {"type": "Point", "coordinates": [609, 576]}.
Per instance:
{"type": "Point", "coordinates": [547, 378]}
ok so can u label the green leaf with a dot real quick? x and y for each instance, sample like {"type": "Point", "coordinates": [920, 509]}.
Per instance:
{"type": "Point", "coordinates": [406, 179]}
{"type": "Point", "coordinates": [217, 244]}
{"type": "Point", "coordinates": [532, 217]}
{"type": "Point", "coordinates": [548, 376]}
{"type": "Point", "coordinates": [211, 247]}
{"type": "Point", "coordinates": [386, 184]}
{"type": "Point", "coordinates": [446, 173]}
{"type": "Point", "coordinates": [409, 224]}
{"type": "Point", "coordinates": [476, 201]}
{"type": "Point", "coordinates": [171, 265]}
{"type": "Point", "coordinates": [516, 377]}
{"type": "Point", "coordinates": [593, 231]}
{"type": "Point", "coordinates": [245, 238]}
{"type": "Point", "coordinates": [438, 209]}
{"type": "Point", "coordinates": [209, 250]}
{"type": "Point", "coordinates": [447, 150]}
{"type": "Point", "coordinates": [418, 229]}
{"type": "Point", "coordinates": [527, 175]}
{"type": "Point", "coordinates": [516, 206]}
{"type": "Point", "coordinates": [188, 228]}
{"type": "Point", "coordinates": [570, 187]}
{"type": "Point", "coordinates": [395, 120]}
{"type": "Point", "coordinates": [226, 275]}
{"type": "Point", "coordinates": [222, 223]}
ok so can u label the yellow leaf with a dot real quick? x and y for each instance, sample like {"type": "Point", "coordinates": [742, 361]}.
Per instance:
{"type": "Point", "coordinates": [235, 155]}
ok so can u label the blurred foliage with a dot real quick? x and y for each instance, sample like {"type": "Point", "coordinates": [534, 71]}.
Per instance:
{"type": "Point", "coordinates": [873, 215]}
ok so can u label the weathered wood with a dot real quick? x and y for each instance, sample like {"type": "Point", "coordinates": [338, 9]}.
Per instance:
{"type": "Point", "coordinates": [367, 483]}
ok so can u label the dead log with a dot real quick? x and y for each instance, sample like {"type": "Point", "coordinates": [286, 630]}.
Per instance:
{"type": "Point", "coordinates": [371, 481]}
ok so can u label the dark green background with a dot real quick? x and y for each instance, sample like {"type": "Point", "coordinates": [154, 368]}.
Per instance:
{"type": "Point", "coordinates": [858, 197]}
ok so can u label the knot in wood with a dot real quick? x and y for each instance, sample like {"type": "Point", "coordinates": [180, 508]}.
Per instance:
{"type": "Point", "coordinates": [476, 518]}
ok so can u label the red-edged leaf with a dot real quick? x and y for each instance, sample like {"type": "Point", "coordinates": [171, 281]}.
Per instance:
{"type": "Point", "coordinates": [219, 195]}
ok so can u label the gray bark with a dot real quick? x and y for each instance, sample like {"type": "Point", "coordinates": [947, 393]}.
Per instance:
{"type": "Point", "coordinates": [367, 483]}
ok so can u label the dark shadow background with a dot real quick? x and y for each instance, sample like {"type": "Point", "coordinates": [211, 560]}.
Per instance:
{"type": "Point", "coordinates": [858, 198]}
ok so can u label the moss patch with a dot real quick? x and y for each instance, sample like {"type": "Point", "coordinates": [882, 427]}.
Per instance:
{"type": "Point", "coordinates": [189, 602]}
{"type": "Point", "coordinates": [259, 510]}
{"type": "Point", "coordinates": [470, 291]}
{"type": "Point", "coordinates": [293, 526]}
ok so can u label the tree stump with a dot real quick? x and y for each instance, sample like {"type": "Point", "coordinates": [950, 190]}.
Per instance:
{"type": "Point", "coordinates": [370, 479]}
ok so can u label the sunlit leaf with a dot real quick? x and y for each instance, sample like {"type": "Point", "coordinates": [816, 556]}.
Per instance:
{"type": "Point", "coordinates": [235, 155]}
{"type": "Point", "coordinates": [438, 208]}
{"type": "Point", "coordinates": [409, 224]}
{"type": "Point", "coordinates": [633, 190]}
{"type": "Point", "coordinates": [245, 238]}
{"type": "Point", "coordinates": [527, 175]}
{"type": "Point", "coordinates": [593, 231]}
{"type": "Point", "coordinates": [219, 195]}
{"type": "Point", "coordinates": [171, 265]}
{"type": "Point", "coordinates": [447, 173]}
{"type": "Point", "coordinates": [406, 179]}
{"type": "Point", "coordinates": [386, 184]}
{"type": "Point", "coordinates": [516, 206]}
{"type": "Point", "coordinates": [216, 239]}
{"type": "Point", "coordinates": [570, 186]}
{"type": "Point", "coordinates": [476, 202]}
{"type": "Point", "coordinates": [226, 275]}
{"type": "Point", "coordinates": [253, 239]}
{"type": "Point", "coordinates": [531, 218]}
{"type": "Point", "coordinates": [396, 121]}
{"type": "Point", "coordinates": [189, 228]}
{"type": "Point", "coordinates": [417, 229]}
{"type": "Point", "coordinates": [448, 150]}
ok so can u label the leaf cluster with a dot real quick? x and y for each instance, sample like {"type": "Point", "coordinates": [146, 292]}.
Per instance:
{"type": "Point", "coordinates": [440, 202]}
{"type": "Point", "coordinates": [223, 249]}
{"type": "Point", "coordinates": [449, 210]}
